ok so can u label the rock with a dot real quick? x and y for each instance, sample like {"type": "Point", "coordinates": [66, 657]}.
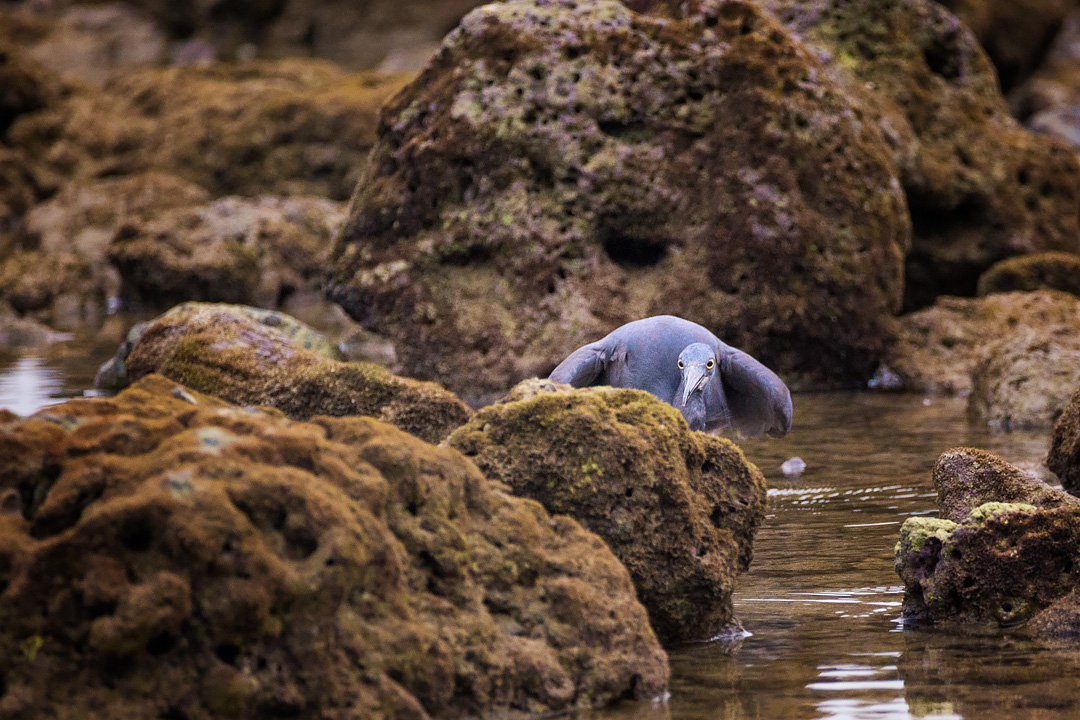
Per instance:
{"type": "Point", "coordinates": [1061, 620]}
{"type": "Point", "coordinates": [241, 250]}
{"type": "Point", "coordinates": [938, 348]}
{"type": "Point", "coordinates": [87, 44]}
{"type": "Point", "coordinates": [1052, 271]}
{"type": "Point", "coordinates": [1064, 456]}
{"type": "Point", "coordinates": [966, 478]}
{"type": "Point", "coordinates": [679, 508]}
{"type": "Point", "coordinates": [979, 187]}
{"type": "Point", "coordinates": [1050, 101]}
{"type": "Point", "coordinates": [289, 127]}
{"type": "Point", "coordinates": [255, 357]}
{"type": "Point", "coordinates": [60, 257]}
{"type": "Point", "coordinates": [28, 86]}
{"type": "Point", "coordinates": [1011, 554]}
{"type": "Point", "coordinates": [17, 332]}
{"type": "Point", "coordinates": [172, 555]}
{"type": "Point", "coordinates": [1024, 381]}
{"type": "Point", "coordinates": [1014, 33]}
{"type": "Point", "coordinates": [534, 189]}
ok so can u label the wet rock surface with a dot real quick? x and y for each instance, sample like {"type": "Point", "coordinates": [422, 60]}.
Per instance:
{"type": "Point", "coordinates": [255, 357]}
{"type": "Point", "coordinates": [939, 347]}
{"type": "Point", "coordinates": [679, 508]}
{"type": "Point", "coordinates": [1005, 549]}
{"type": "Point", "coordinates": [655, 165]}
{"type": "Point", "coordinates": [1064, 456]}
{"type": "Point", "coordinates": [979, 187]}
{"type": "Point", "coordinates": [163, 553]}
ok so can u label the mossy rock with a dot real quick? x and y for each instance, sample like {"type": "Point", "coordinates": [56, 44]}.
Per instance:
{"type": "Point", "coordinates": [1051, 270]}
{"type": "Point", "coordinates": [1006, 549]}
{"type": "Point", "coordinates": [679, 508]}
{"type": "Point", "coordinates": [1064, 457]}
{"type": "Point", "coordinates": [164, 553]}
{"type": "Point", "coordinates": [562, 167]}
{"type": "Point", "coordinates": [250, 356]}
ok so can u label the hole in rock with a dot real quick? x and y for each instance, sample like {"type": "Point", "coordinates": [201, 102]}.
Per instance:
{"type": "Point", "coordinates": [174, 713]}
{"type": "Point", "coordinates": [634, 252]}
{"type": "Point", "coordinates": [621, 130]}
{"type": "Point", "coordinates": [137, 534]}
{"type": "Point", "coordinates": [161, 644]}
{"type": "Point", "coordinates": [629, 492]}
{"type": "Point", "coordinates": [300, 543]}
{"type": "Point", "coordinates": [227, 653]}
{"type": "Point", "coordinates": [944, 57]}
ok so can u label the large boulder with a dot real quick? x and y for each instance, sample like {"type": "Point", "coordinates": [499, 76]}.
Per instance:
{"type": "Point", "coordinates": [1064, 456]}
{"type": "Point", "coordinates": [1025, 380]}
{"type": "Point", "coordinates": [163, 554]}
{"type": "Point", "coordinates": [241, 250]}
{"type": "Point", "coordinates": [290, 127]}
{"type": "Point", "coordinates": [679, 508]}
{"type": "Point", "coordinates": [979, 186]}
{"type": "Point", "coordinates": [562, 167]}
{"type": "Point", "coordinates": [1006, 547]}
{"type": "Point", "coordinates": [939, 348]}
{"type": "Point", "coordinates": [257, 357]}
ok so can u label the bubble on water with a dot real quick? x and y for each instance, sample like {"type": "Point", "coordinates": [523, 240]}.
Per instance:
{"type": "Point", "coordinates": [793, 466]}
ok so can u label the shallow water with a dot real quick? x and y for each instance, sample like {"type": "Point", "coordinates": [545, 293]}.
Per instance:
{"type": "Point", "coordinates": [821, 600]}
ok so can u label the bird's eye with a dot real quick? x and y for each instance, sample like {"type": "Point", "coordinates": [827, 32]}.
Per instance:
{"type": "Point", "coordinates": [681, 366]}
{"type": "Point", "coordinates": [709, 365]}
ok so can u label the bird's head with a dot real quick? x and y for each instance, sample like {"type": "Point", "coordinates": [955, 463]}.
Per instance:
{"type": "Point", "coordinates": [697, 363]}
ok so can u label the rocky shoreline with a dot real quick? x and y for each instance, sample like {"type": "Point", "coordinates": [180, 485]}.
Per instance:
{"type": "Point", "coordinates": [261, 524]}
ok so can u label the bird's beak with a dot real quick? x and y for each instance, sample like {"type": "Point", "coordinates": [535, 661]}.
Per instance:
{"type": "Point", "coordinates": [693, 379]}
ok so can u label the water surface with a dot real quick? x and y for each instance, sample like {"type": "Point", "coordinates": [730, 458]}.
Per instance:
{"type": "Point", "coordinates": [821, 600]}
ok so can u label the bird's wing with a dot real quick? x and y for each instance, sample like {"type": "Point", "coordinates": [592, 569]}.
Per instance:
{"type": "Point", "coordinates": [760, 402]}
{"type": "Point", "coordinates": [582, 367]}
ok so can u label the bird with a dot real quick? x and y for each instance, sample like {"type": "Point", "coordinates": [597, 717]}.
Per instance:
{"type": "Point", "coordinates": [717, 387]}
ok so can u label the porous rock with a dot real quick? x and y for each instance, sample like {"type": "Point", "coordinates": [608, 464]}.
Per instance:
{"type": "Point", "coordinates": [1050, 270]}
{"type": "Point", "coordinates": [938, 348]}
{"type": "Point", "coordinates": [1025, 380]}
{"type": "Point", "coordinates": [1007, 548]}
{"type": "Point", "coordinates": [288, 127]}
{"type": "Point", "coordinates": [979, 186]}
{"type": "Point", "coordinates": [1064, 456]}
{"type": "Point", "coordinates": [679, 508]}
{"type": "Point", "coordinates": [165, 554]}
{"type": "Point", "coordinates": [239, 250]}
{"type": "Point", "coordinates": [256, 357]}
{"type": "Point", "coordinates": [564, 166]}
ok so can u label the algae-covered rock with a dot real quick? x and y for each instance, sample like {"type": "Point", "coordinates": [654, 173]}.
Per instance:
{"type": "Point", "coordinates": [938, 348]}
{"type": "Point", "coordinates": [979, 186]}
{"type": "Point", "coordinates": [58, 270]}
{"type": "Point", "coordinates": [255, 357]}
{"type": "Point", "coordinates": [1064, 456]}
{"type": "Point", "coordinates": [1007, 548]}
{"type": "Point", "coordinates": [1024, 381]}
{"type": "Point", "coordinates": [562, 167]}
{"type": "Point", "coordinates": [1051, 271]}
{"type": "Point", "coordinates": [679, 508]}
{"type": "Point", "coordinates": [240, 250]}
{"type": "Point", "coordinates": [163, 554]}
{"type": "Point", "coordinates": [289, 127]}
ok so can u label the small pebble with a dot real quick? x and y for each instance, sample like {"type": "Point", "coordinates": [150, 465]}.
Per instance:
{"type": "Point", "coordinates": [793, 466]}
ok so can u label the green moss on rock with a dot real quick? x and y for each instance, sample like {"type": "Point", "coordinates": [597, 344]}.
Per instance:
{"type": "Point", "coordinates": [679, 508]}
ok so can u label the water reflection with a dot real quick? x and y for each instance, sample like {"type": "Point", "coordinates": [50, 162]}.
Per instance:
{"type": "Point", "coordinates": [29, 384]}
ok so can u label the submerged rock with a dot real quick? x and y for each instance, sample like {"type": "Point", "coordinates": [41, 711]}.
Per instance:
{"type": "Point", "coordinates": [679, 508]}
{"type": "Point", "coordinates": [1049, 271]}
{"type": "Point", "coordinates": [562, 167]}
{"type": "Point", "coordinates": [1064, 457]}
{"type": "Point", "coordinates": [164, 554]}
{"type": "Point", "coordinates": [979, 186]}
{"type": "Point", "coordinates": [256, 357]}
{"type": "Point", "coordinates": [289, 127]}
{"type": "Point", "coordinates": [1005, 549]}
{"type": "Point", "coordinates": [939, 348]}
{"type": "Point", "coordinates": [1024, 381]}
